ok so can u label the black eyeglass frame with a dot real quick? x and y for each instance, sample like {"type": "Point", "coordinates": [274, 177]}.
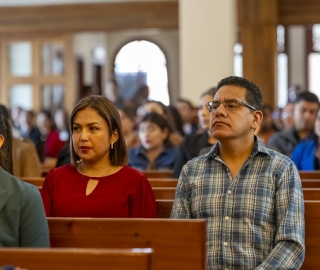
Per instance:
{"type": "Point", "coordinates": [237, 101]}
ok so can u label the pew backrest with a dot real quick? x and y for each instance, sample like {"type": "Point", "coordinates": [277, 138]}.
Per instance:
{"type": "Point", "coordinates": [177, 244]}
{"type": "Point", "coordinates": [311, 193]}
{"type": "Point", "coordinates": [310, 174]}
{"type": "Point", "coordinates": [158, 173]}
{"type": "Point", "coordinates": [80, 259]}
{"type": "Point", "coordinates": [312, 235]}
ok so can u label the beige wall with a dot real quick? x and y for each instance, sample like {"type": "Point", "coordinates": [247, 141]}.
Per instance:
{"type": "Point", "coordinates": [207, 37]}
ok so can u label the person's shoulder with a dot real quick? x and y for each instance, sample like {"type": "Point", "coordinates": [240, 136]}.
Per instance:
{"type": "Point", "coordinates": [131, 172]}
{"type": "Point", "coordinates": [279, 159]}
{"type": "Point", "coordinates": [62, 171]}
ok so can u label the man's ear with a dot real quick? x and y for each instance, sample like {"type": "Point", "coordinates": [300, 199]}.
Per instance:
{"type": "Point", "coordinates": [257, 119]}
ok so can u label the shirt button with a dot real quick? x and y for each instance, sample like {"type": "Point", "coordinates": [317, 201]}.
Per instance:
{"type": "Point", "coordinates": [225, 243]}
{"type": "Point", "coordinates": [229, 191]}
{"type": "Point", "coordinates": [227, 218]}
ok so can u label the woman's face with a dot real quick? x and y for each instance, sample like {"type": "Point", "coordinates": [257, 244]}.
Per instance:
{"type": "Point", "coordinates": [90, 136]}
{"type": "Point", "coordinates": [43, 123]}
{"type": "Point", "coordinates": [151, 135]}
{"type": "Point", "coordinates": [317, 124]}
{"type": "Point", "coordinates": [203, 112]}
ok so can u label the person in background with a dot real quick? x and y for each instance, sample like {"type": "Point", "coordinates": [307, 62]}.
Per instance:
{"type": "Point", "coordinates": [26, 162]}
{"type": "Point", "coordinates": [305, 111]}
{"type": "Point", "coordinates": [156, 151]}
{"type": "Point", "coordinates": [306, 155]}
{"type": "Point", "coordinates": [49, 135]}
{"type": "Point", "coordinates": [250, 196]}
{"type": "Point", "coordinates": [22, 217]}
{"type": "Point", "coordinates": [186, 112]}
{"type": "Point", "coordinates": [61, 123]}
{"type": "Point", "coordinates": [287, 118]}
{"type": "Point", "coordinates": [29, 130]}
{"type": "Point", "coordinates": [267, 126]}
{"type": "Point", "coordinates": [128, 125]}
{"type": "Point", "coordinates": [158, 107]}
{"type": "Point", "coordinates": [97, 183]}
{"type": "Point", "coordinates": [194, 143]}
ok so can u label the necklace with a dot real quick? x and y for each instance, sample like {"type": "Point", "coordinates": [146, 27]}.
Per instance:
{"type": "Point", "coordinates": [105, 174]}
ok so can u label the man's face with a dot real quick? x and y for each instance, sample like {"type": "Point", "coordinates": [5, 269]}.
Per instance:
{"type": "Point", "coordinates": [233, 124]}
{"type": "Point", "coordinates": [304, 115]}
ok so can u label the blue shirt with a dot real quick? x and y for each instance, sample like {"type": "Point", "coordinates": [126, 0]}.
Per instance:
{"type": "Point", "coordinates": [303, 155]}
{"type": "Point", "coordinates": [254, 221]}
{"type": "Point", "coordinates": [165, 161]}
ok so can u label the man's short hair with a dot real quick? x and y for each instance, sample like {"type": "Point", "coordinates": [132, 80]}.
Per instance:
{"type": "Point", "coordinates": [307, 96]}
{"type": "Point", "coordinates": [253, 94]}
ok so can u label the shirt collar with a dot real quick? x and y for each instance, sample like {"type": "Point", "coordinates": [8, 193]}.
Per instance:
{"type": "Point", "coordinates": [258, 147]}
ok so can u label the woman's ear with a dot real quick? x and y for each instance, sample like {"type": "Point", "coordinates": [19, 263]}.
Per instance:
{"type": "Point", "coordinates": [165, 134]}
{"type": "Point", "coordinates": [114, 136]}
{"type": "Point", "coordinates": [1, 140]}
{"type": "Point", "coordinates": [257, 119]}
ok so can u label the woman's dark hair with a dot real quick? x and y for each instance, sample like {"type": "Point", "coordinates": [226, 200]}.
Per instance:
{"type": "Point", "coordinates": [6, 149]}
{"type": "Point", "coordinates": [160, 121]}
{"type": "Point", "coordinates": [108, 111]}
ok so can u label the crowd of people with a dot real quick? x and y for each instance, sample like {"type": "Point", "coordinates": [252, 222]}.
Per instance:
{"type": "Point", "coordinates": [237, 167]}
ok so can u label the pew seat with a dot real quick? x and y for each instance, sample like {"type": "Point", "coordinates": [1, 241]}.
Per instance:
{"type": "Point", "coordinates": [80, 259]}
{"type": "Point", "coordinates": [176, 244]}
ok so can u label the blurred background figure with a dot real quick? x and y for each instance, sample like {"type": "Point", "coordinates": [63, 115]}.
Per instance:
{"type": "Point", "coordinates": [26, 162]}
{"type": "Point", "coordinates": [49, 135]}
{"type": "Point", "coordinates": [61, 123]}
{"type": "Point", "coordinates": [161, 109]}
{"type": "Point", "coordinates": [112, 92]}
{"type": "Point", "coordinates": [29, 130]}
{"type": "Point", "coordinates": [306, 154]}
{"type": "Point", "coordinates": [156, 152]}
{"type": "Point", "coordinates": [187, 114]}
{"type": "Point", "coordinates": [267, 126]}
{"type": "Point", "coordinates": [287, 118]}
{"type": "Point", "coordinates": [127, 118]}
{"type": "Point", "coordinates": [305, 111]}
{"type": "Point", "coordinates": [194, 143]}
{"type": "Point", "coordinates": [15, 114]}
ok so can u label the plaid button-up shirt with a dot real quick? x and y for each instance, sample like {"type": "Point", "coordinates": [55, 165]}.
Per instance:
{"type": "Point", "coordinates": [254, 221]}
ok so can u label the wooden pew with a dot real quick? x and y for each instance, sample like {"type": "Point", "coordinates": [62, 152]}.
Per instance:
{"type": "Point", "coordinates": [163, 182]}
{"type": "Point", "coordinates": [164, 208]}
{"type": "Point", "coordinates": [311, 193]}
{"type": "Point", "coordinates": [310, 183]}
{"type": "Point", "coordinates": [312, 235]}
{"type": "Point", "coordinates": [154, 182]}
{"type": "Point", "coordinates": [177, 244]}
{"type": "Point", "coordinates": [164, 193]}
{"type": "Point", "coordinates": [157, 173]}
{"type": "Point", "coordinates": [80, 259]}
{"type": "Point", "coordinates": [309, 174]}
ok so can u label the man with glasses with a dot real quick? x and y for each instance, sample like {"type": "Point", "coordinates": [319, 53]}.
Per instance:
{"type": "Point", "coordinates": [250, 195]}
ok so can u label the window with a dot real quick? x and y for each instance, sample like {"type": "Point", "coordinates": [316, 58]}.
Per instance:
{"type": "Point", "coordinates": [142, 63]}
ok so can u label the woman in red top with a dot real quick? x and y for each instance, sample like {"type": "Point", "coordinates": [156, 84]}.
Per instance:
{"type": "Point", "coordinates": [97, 183]}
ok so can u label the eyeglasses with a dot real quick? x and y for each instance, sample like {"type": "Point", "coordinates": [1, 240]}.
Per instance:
{"type": "Point", "coordinates": [228, 104]}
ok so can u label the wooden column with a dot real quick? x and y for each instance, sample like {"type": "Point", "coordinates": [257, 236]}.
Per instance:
{"type": "Point", "coordinates": [257, 21]}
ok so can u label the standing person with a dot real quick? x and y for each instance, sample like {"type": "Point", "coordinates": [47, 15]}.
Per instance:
{"type": "Point", "coordinates": [250, 195]}
{"type": "Point", "coordinates": [22, 217]}
{"type": "Point", "coordinates": [305, 111]}
{"type": "Point", "coordinates": [97, 183]}
{"type": "Point", "coordinates": [306, 155]}
{"type": "Point", "coordinates": [192, 144]}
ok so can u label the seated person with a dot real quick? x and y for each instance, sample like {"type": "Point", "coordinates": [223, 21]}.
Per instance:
{"type": "Point", "coordinates": [26, 162]}
{"type": "Point", "coordinates": [186, 111]}
{"type": "Point", "coordinates": [158, 107]}
{"type": "Point", "coordinates": [127, 122]}
{"type": "Point", "coordinates": [306, 155]}
{"type": "Point", "coordinates": [156, 151]}
{"type": "Point", "coordinates": [22, 218]}
{"type": "Point", "coordinates": [97, 183]}
{"type": "Point", "coordinates": [194, 143]}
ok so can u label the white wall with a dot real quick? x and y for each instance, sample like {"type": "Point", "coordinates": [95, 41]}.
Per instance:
{"type": "Point", "coordinates": [207, 37]}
